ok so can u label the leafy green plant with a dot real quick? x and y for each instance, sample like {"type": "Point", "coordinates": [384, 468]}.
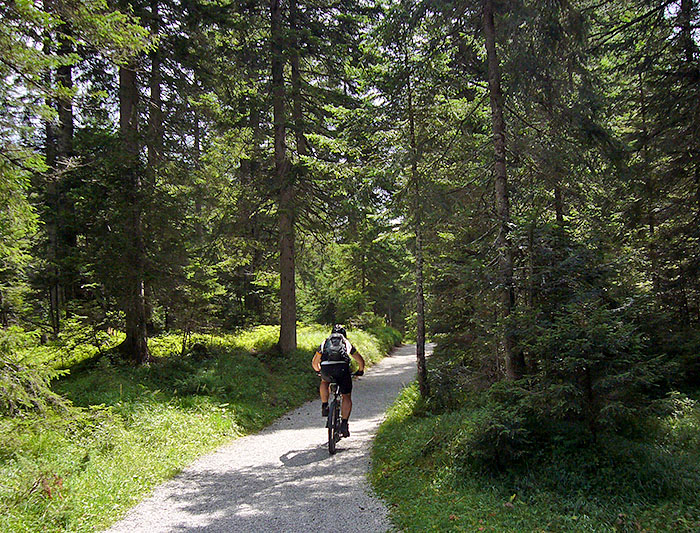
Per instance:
{"type": "Point", "coordinates": [493, 437]}
{"type": "Point", "coordinates": [25, 385]}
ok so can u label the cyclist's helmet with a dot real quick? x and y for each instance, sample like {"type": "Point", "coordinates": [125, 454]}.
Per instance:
{"type": "Point", "coordinates": [338, 328]}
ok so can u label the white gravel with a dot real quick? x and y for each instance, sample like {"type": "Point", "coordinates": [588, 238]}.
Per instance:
{"type": "Point", "coordinates": [283, 479]}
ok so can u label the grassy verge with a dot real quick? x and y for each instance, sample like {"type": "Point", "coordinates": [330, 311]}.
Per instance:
{"type": "Point", "coordinates": [622, 485]}
{"type": "Point", "coordinates": [78, 468]}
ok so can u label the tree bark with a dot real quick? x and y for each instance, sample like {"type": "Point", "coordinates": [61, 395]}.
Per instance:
{"type": "Point", "coordinates": [420, 297]}
{"type": "Point", "coordinates": [67, 239]}
{"type": "Point", "coordinates": [559, 204]}
{"type": "Point", "coordinates": [155, 111]}
{"type": "Point", "coordinates": [135, 346]}
{"type": "Point", "coordinates": [650, 190]}
{"type": "Point", "coordinates": [285, 182]}
{"type": "Point", "coordinates": [513, 360]}
{"type": "Point", "coordinates": [51, 218]}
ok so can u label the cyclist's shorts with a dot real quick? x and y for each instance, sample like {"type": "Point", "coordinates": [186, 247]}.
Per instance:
{"type": "Point", "coordinates": [337, 373]}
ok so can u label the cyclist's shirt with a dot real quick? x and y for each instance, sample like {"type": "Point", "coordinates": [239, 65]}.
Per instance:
{"type": "Point", "coordinates": [348, 347]}
{"type": "Point", "coordinates": [337, 371]}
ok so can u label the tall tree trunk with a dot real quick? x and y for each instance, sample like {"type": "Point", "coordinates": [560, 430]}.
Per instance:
{"type": "Point", "coordinates": [559, 204]}
{"type": "Point", "coordinates": [51, 217]}
{"type": "Point", "coordinates": [155, 112]}
{"type": "Point", "coordinates": [420, 298]}
{"type": "Point", "coordinates": [135, 345]}
{"type": "Point", "coordinates": [650, 190]}
{"type": "Point", "coordinates": [513, 360]}
{"type": "Point", "coordinates": [67, 239]}
{"type": "Point", "coordinates": [285, 182]}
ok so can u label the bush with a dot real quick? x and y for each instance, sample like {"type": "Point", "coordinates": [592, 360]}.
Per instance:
{"type": "Point", "coordinates": [498, 429]}
{"type": "Point", "coordinates": [387, 337]}
{"type": "Point", "coordinates": [24, 385]}
{"type": "Point", "coordinates": [439, 472]}
{"type": "Point", "coordinates": [366, 320]}
{"type": "Point", "coordinates": [593, 368]}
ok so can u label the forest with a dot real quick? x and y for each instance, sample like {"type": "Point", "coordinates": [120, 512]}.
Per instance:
{"type": "Point", "coordinates": [517, 181]}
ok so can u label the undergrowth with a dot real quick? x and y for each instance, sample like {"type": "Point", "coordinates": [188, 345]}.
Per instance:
{"type": "Point", "coordinates": [125, 429]}
{"type": "Point", "coordinates": [422, 467]}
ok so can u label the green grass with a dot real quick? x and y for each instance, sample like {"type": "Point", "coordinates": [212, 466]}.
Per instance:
{"type": "Point", "coordinates": [131, 428]}
{"type": "Point", "coordinates": [622, 485]}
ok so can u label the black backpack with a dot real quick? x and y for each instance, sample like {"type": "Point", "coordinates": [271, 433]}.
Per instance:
{"type": "Point", "coordinates": [334, 348]}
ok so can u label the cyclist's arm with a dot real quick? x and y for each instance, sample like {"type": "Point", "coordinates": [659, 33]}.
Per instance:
{"type": "Point", "coordinates": [316, 362]}
{"type": "Point", "coordinates": [360, 360]}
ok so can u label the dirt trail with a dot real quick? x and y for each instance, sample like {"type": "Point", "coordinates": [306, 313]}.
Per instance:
{"type": "Point", "coordinates": [283, 479]}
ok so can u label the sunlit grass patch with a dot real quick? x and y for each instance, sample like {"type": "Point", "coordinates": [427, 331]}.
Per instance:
{"type": "Point", "coordinates": [131, 428]}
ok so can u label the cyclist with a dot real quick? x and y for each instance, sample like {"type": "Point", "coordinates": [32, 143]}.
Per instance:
{"type": "Point", "coordinates": [332, 360]}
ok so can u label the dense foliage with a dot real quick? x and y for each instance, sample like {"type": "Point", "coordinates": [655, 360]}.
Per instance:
{"type": "Point", "coordinates": [169, 219]}
{"type": "Point", "coordinates": [600, 326]}
{"type": "Point", "coordinates": [523, 178]}
{"type": "Point", "coordinates": [429, 469]}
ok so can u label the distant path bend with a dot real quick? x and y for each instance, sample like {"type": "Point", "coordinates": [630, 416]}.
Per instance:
{"type": "Point", "coordinates": [282, 479]}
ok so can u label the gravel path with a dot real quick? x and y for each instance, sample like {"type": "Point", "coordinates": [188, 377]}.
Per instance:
{"type": "Point", "coordinates": [282, 479]}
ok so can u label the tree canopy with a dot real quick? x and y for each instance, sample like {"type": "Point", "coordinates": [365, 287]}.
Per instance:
{"type": "Point", "coordinates": [518, 181]}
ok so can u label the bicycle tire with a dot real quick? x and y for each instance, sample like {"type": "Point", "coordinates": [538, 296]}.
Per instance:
{"type": "Point", "coordinates": [332, 427]}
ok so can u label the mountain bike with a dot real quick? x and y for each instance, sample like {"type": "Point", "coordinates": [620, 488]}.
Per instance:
{"type": "Point", "coordinates": [335, 403]}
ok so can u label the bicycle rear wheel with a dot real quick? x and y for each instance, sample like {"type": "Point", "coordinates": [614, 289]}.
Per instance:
{"type": "Point", "coordinates": [333, 412]}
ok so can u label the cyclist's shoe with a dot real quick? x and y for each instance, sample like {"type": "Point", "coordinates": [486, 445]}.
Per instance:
{"type": "Point", "coordinates": [324, 409]}
{"type": "Point", "coordinates": [344, 429]}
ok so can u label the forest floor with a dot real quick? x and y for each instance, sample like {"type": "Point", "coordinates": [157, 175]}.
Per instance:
{"type": "Point", "coordinates": [619, 485]}
{"type": "Point", "coordinates": [283, 479]}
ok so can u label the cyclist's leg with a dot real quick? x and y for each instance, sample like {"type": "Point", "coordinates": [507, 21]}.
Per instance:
{"type": "Point", "coordinates": [345, 384]}
{"type": "Point", "coordinates": [323, 391]}
{"type": "Point", "coordinates": [346, 407]}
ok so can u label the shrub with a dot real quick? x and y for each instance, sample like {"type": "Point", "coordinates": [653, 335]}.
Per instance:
{"type": "Point", "coordinates": [497, 432]}
{"type": "Point", "coordinates": [24, 385]}
{"type": "Point", "coordinates": [593, 367]}
{"type": "Point", "coordinates": [387, 337]}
